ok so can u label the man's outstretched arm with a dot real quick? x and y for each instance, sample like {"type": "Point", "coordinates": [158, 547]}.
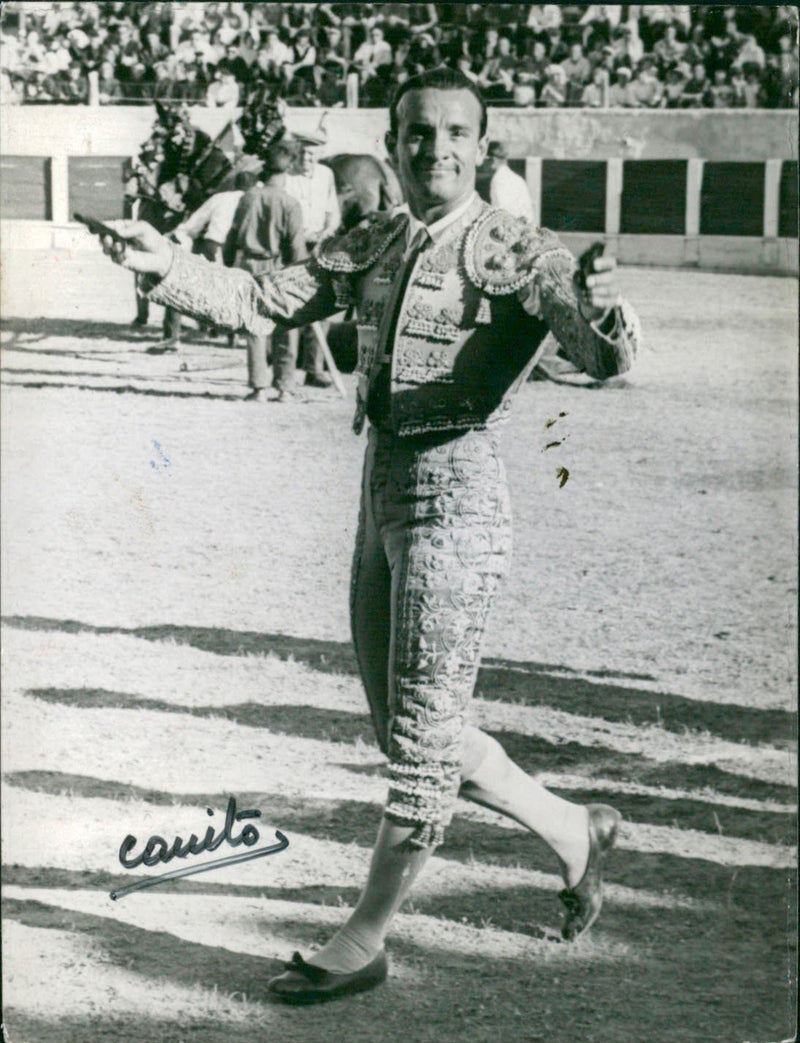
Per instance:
{"type": "Point", "coordinates": [228, 297]}
{"type": "Point", "coordinates": [597, 330]}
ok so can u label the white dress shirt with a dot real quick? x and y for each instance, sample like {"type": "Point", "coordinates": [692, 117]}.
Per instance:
{"type": "Point", "coordinates": [316, 194]}
{"type": "Point", "coordinates": [213, 219]}
{"type": "Point", "coordinates": [435, 230]}
{"type": "Point", "coordinates": [510, 192]}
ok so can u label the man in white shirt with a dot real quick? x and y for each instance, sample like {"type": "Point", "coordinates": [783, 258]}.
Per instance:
{"type": "Point", "coordinates": [507, 189]}
{"type": "Point", "coordinates": [208, 227]}
{"type": "Point", "coordinates": [314, 189]}
{"type": "Point", "coordinates": [373, 52]}
{"type": "Point", "coordinates": [274, 54]}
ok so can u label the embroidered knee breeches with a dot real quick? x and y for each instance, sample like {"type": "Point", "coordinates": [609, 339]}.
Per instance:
{"type": "Point", "coordinates": [433, 540]}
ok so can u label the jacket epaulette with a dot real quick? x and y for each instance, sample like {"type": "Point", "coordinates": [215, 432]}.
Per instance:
{"type": "Point", "coordinates": [359, 249]}
{"type": "Point", "coordinates": [502, 252]}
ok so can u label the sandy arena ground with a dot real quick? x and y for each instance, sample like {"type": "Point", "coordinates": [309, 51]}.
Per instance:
{"type": "Point", "coordinates": [175, 566]}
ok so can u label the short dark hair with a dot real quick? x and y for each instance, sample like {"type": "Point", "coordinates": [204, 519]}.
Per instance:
{"type": "Point", "coordinates": [441, 78]}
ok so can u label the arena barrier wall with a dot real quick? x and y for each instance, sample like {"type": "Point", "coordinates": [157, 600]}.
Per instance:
{"type": "Point", "coordinates": [703, 188]}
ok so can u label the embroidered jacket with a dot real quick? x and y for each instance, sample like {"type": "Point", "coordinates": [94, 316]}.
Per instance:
{"type": "Point", "coordinates": [465, 332]}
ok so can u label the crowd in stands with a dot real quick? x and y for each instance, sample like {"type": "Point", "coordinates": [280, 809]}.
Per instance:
{"type": "Point", "coordinates": [523, 55]}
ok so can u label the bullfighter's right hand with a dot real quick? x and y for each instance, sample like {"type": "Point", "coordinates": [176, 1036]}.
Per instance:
{"type": "Point", "coordinates": [141, 248]}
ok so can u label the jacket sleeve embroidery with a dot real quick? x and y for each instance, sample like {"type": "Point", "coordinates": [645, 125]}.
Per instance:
{"type": "Point", "coordinates": [234, 299]}
{"type": "Point", "coordinates": [505, 254]}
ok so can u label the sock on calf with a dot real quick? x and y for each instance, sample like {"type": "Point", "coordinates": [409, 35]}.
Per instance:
{"type": "Point", "coordinates": [496, 782]}
{"type": "Point", "coordinates": [393, 870]}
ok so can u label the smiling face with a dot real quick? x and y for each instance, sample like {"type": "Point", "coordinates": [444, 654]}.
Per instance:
{"type": "Point", "coordinates": [437, 149]}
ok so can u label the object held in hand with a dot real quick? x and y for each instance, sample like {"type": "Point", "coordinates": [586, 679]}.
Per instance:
{"type": "Point", "coordinates": [99, 228]}
{"type": "Point", "coordinates": [587, 260]}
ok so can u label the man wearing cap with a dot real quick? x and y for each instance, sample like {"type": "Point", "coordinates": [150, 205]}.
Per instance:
{"type": "Point", "coordinates": [454, 298]}
{"type": "Point", "coordinates": [507, 189]}
{"type": "Point", "coordinates": [314, 188]}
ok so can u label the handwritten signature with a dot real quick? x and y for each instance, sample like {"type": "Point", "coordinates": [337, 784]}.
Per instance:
{"type": "Point", "coordinates": [157, 849]}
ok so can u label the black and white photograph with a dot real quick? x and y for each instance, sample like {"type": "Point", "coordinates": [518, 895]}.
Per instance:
{"type": "Point", "coordinates": [399, 519]}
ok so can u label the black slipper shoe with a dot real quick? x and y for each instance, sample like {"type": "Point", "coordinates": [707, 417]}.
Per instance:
{"type": "Point", "coordinates": [305, 983]}
{"type": "Point", "coordinates": [584, 901]}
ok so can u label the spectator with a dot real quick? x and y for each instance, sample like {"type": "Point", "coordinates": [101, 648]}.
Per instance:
{"type": "Point", "coordinates": [599, 22]}
{"type": "Point", "coordinates": [724, 47]}
{"type": "Point", "coordinates": [248, 49]}
{"type": "Point", "coordinates": [57, 59]}
{"type": "Point", "coordinates": [72, 86]}
{"type": "Point", "coordinates": [464, 64]}
{"type": "Point", "coordinates": [486, 45]}
{"type": "Point", "coordinates": [155, 49]}
{"type": "Point", "coordinates": [331, 85]}
{"type": "Point", "coordinates": [606, 61]}
{"type": "Point", "coordinates": [739, 87]}
{"type": "Point", "coordinates": [628, 46]}
{"type": "Point", "coordinates": [557, 49]}
{"type": "Point", "coordinates": [332, 49]}
{"type": "Point", "coordinates": [523, 92]}
{"type": "Point", "coordinates": [274, 54]}
{"type": "Point", "coordinates": [423, 52]}
{"type": "Point", "coordinates": [779, 80]}
{"type": "Point", "coordinates": [720, 94]}
{"type": "Point", "coordinates": [645, 90]}
{"type": "Point", "coordinates": [750, 91]}
{"type": "Point", "coordinates": [224, 90]}
{"type": "Point", "coordinates": [496, 77]}
{"type": "Point", "coordinates": [749, 54]}
{"type": "Point", "coordinates": [373, 52]}
{"type": "Point", "coordinates": [653, 23]}
{"type": "Point", "coordinates": [39, 88]}
{"type": "Point", "coordinates": [108, 86]}
{"type": "Point", "coordinates": [577, 66]}
{"type": "Point", "coordinates": [695, 89]}
{"type": "Point", "coordinates": [424, 18]}
{"type": "Point", "coordinates": [188, 83]}
{"type": "Point", "coordinates": [163, 83]}
{"type": "Point", "coordinates": [550, 17]}
{"type": "Point", "coordinates": [697, 48]}
{"type": "Point", "coordinates": [676, 81]}
{"type": "Point", "coordinates": [618, 96]}
{"type": "Point", "coordinates": [787, 62]}
{"type": "Point", "coordinates": [304, 54]}
{"type": "Point", "coordinates": [128, 35]}
{"type": "Point", "coordinates": [264, 18]}
{"type": "Point", "coordinates": [554, 93]}
{"type": "Point", "coordinates": [594, 93]}
{"type": "Point", "coordinates": [236, 63]}
{"type": "Point", "coordinates": [669, 50]}
{"type": "Point", "coordinates": [11, 88]}
{"type": "Point", "coordinates": [532, 67]}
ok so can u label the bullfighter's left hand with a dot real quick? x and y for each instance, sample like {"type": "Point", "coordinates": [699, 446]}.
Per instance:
{"type": "Point", "coordinates": [602, 290]}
